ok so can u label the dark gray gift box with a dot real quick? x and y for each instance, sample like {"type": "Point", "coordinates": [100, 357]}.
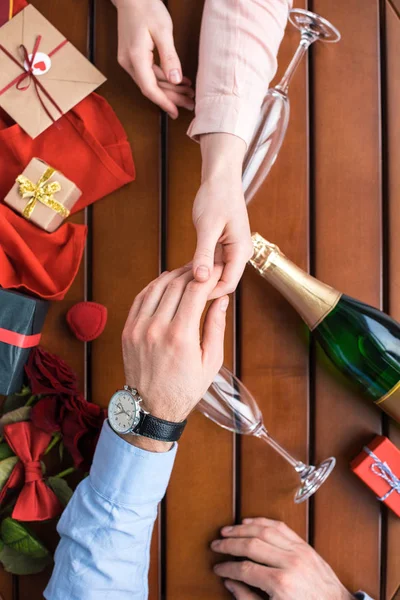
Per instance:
{"type": "Point", "coordinates": [23, 315]}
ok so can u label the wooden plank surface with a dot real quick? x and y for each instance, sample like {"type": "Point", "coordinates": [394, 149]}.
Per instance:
{"type": "Point", "coordinates": [393, 189]}
{"type": "Point", "coordinates": [71, 19]}
{"type": "Point", "coordinates": [125, 225]}
{"type": "Point", "coordinates": [199, 498]}
{"type": "Point", "coordinates": [274, 360]}
{"type": "Point", "coordinates": [348, 241]}
{"type": "Point", "coordinates": [344, 519]}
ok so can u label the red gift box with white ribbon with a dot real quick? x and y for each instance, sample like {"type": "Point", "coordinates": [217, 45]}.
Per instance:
{"type": "Point", "coordinates": [378, 465]}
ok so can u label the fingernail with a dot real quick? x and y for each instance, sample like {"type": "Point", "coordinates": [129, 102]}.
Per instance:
{"type": "Point", "coordinates": [203, 273]}
{"type": "Point", "coordinates": [224, 304]}
{"type": "Point", "coordinates": [175, 76]}
{"type": "Point", "coordinates": [215, 544]}
{"type": "Point", "coordinates": [217, 569]}
{"type": "Point", "coordinates": [226, 529]}
{"type": "Point", "coordinates": [229, 586]}
{"type": "Point", "coordinates": [247, 521]}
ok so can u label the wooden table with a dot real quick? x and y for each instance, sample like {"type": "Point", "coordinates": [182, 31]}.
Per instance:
{"type": "Point", "coordinates": [332, 202]}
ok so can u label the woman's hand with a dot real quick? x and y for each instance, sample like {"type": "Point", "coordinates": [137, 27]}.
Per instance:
{"type": "Point", "coordinates": [220, 213]}
{"type": "Point", "coordinates": [143, 27]}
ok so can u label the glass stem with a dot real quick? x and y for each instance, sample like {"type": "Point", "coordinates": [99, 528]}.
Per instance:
{"type": "Point", "coordinates": [264, 435]}
{"type": "Point", "coordinates": [305, 42]}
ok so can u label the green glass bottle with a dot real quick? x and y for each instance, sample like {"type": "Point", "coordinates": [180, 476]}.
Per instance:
{"type": "Point", "coordinates": [361, 341]}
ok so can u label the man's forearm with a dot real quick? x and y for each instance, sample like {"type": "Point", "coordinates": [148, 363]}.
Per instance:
{"type": "Point", "coordinates": [107, 526]}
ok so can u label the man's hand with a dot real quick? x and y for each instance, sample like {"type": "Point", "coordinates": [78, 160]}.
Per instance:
{"type": "Point", "coordinates": [144, 26]}
{"type": "Point", "coordinates": [277, 561]}
{"type": "Point", "coordinates": [164, 355]}
{"type": "Point", "coordinates": [220, 214]}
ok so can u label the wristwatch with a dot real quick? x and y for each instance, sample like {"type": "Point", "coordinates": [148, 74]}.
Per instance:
{"type": "Point", "coordinates": [126, 415]}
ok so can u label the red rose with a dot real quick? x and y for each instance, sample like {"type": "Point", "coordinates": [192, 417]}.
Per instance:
{"type": "Point", "coordinates": [48, 374]}
{"type": "Point", "coordinates": [45, 415]}
{"type": "Point", "coordinates": [81, 422]}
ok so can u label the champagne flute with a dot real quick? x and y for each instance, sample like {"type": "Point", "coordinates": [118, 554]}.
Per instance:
{"type": "Point", "coordinates": [274, 118]}
{"type": "Point", "coordinates": [230, 404]}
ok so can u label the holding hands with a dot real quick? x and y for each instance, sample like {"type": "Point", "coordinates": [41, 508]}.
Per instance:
{"type": "Point", "coordinates": [165, 357]}
{"type": "Point", "coordinates": [219, 210]}
{"type": "Point", "coordinates": [220, 213]}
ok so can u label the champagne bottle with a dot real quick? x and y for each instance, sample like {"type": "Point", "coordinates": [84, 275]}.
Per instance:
{"type": "Point", "coordinates": [361, 341]}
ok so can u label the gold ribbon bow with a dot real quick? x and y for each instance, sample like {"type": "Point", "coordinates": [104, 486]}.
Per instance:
{"type": "Point", "coordinates": [41, 192]}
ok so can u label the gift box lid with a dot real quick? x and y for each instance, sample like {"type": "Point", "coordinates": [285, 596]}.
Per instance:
{"type": "Point", "coordinates": [20, 313]}
{"type": "Point", "coordinates": [378, 465]}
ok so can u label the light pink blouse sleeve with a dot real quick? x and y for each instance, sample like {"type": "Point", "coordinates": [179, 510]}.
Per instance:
{"type": "Point", "coordinates": [237, 59]}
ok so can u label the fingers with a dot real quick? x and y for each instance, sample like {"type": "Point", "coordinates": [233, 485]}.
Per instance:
{"type": "Point", "coordinates": [207, 238]}
{"type": "Point", "coordinates": [240, 591]}
{"type": "Point", "coordinates": [194, 300]}
{"type": "Point", "coordinates": [236, 257]}
{"type": "Point", "coordinates": [182, 90]}
{"type": "Point", "coordinates": [149, 298]}
{"type": "Point", "coordinates": [170, 63]}
{"type": "Point", "coordinates": [277, 526]}
{"type": "Point", "coordinates": [144, 76]}
{"type": "Point", "coordinates": [172, 296]}
{"type": "Point", "coordinates": [253, 548]}
{"type": "Point", "coordinates": [179, 99]}
{"type": "Point", "coordinates": [159, 73]}
{"type": "Point", "coordinates": [265, 533]}
{"type": "Point", "coordinates": [247, 572]}
{"type": "Point", "coordinates": [214, 332]}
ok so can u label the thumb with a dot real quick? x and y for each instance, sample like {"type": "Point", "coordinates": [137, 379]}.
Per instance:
{"type": "Point", "coordinates": [203, 260]}
{"type": "Point", "coordinates": [214, 332]}
{"type": "Point", "coordinates": [170, 63]}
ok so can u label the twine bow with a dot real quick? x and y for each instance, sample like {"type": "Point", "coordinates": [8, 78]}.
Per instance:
{"type": "Point", "coordinates": [41, 192]}
{"type": "Point", "coordinates": [382, 469]}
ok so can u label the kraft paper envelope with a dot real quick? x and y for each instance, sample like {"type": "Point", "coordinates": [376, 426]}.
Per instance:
{"type": "Point", "coordinates": [69, 80]}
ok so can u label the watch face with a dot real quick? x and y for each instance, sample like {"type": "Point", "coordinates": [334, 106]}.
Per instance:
{"type": "Point", "coordinates": [123, 412]}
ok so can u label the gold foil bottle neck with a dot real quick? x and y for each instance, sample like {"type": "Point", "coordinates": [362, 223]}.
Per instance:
{"type": "Point", "coordinates": [312, 299]}
{"type": "Point", "coordinates": [263, 252]}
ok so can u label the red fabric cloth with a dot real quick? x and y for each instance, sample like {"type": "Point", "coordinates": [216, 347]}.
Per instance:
{"type": "Point", "coordinates": [4, 11]}
{"type": "Point", "coordinates": [36, 501]}
{"type": "Point", "coordinates": [89, 145]}
{"type": "Point", "coordinates": [87, 320]}
{"type": "Point", "coordinates": [36, 262]}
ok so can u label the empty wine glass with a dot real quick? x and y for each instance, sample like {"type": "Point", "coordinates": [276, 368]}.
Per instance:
{"type": "Point", "coordinates": [230, 404]}
{"type": "Point", "coordinates": [275, 110]}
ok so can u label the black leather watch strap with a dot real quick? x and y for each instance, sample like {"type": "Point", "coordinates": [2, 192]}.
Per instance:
{"type": "Point", "coordinates": [158, 429]}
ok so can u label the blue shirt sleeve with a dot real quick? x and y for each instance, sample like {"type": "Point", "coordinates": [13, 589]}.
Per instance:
{"type": "Point", "coordinates": [362, 596]}
{"type": "Point", "coordinates": [107, 526]}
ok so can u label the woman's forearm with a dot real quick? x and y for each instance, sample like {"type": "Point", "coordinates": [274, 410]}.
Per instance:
{"type": "Point", "coordinates": [237, 60]}
{"type": "Point", "coordinates": [222, 156]}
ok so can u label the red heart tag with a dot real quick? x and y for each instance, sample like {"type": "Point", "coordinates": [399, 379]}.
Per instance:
{"type": "Point", "coordinates": [40, 65]}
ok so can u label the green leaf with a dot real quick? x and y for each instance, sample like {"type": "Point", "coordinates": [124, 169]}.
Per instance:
{"type": "Point", "coordinates": [6, 467]}
{"type": "Point", "coordinates": [21, 564]}
{"type": "Point", "coordinates": [61, 489]}
{"type": "Point", "coordinates": [5, 451]}
{"type": "Point", "coordinates": [19, 538]}
{"type": "Point", "coordinates": [15, 416]}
